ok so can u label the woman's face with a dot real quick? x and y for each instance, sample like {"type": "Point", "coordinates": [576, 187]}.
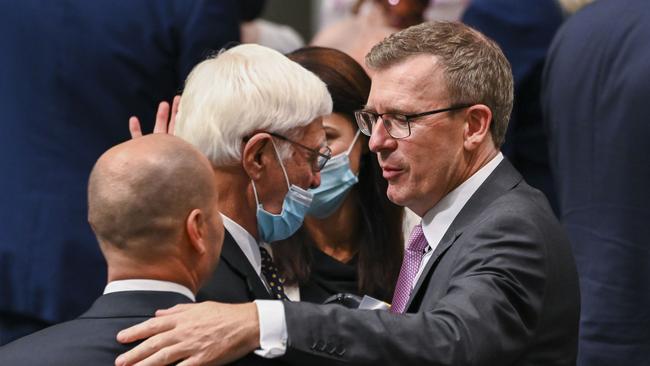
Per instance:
{"type": "Point", "coordinates": [340, 131]}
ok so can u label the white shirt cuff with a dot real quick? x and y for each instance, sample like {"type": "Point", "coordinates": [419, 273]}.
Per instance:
{"type": "Point", "coordinates": [273, 328]}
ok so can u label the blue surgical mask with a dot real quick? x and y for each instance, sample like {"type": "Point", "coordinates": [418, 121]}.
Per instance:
{"type": "Point", "coordinates": [274, 227]}
{"type": "Point", "coordinates": [336, 179]}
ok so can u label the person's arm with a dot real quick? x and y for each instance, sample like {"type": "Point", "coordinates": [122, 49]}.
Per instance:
{"type": "Point", "coordinates": [490, 311]}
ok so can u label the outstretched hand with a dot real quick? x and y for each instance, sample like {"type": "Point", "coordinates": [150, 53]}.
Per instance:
{"type": "Point", "coordinates": [208, 333]}
{"type": "Point", "coordinates": [164, 121]}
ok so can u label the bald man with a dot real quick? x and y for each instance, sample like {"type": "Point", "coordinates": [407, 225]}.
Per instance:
{"type": "Point", "coordinates": [152, 204]}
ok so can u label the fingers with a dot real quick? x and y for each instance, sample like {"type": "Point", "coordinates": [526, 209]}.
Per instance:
{"type": "Point", "coordinates": [162, 115]}
{"type": "Point", "coordinates": [161, 351]}
{"type": "Point", "coordinates": [172, 121]}
{"type": "Point", "coordinates": [173, 310]}
{"type": "Point", "coordinates": [145, 329]}
{"type": "Point", "coordinates": [134, 127]}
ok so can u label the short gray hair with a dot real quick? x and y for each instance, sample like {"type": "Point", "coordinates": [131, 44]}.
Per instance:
{"type": "Point", "coordinates": [242, 90]}
{"type": "Point", "coordinates": [475, 68]}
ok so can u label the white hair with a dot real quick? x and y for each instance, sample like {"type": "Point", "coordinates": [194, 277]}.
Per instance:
{"type": "Point", "coordinates": [243, 90]}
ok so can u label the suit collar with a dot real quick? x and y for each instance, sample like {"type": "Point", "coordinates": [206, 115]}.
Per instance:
{"type": "Point", "coordinates": [504, 178]}
{"type": "Point", "coordinates": [232, 255]}
{"type": "Point", "coordinates": [133, 304]}
{"type": "Point", "coordinates": [437, 221]}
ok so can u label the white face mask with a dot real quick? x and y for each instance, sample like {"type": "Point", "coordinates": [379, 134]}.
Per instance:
{"type": "Point", "coordinates": [336, 179]}
{"type": "Point", "coordinates": [274, 227]}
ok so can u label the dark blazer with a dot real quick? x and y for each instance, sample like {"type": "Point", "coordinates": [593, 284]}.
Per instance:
{"type": "Point", "coordinates": [595, 99]}
{"type": "Point", "coordinates": [72, 72]}
{"type": "Point", "coordinates": [234, 280]}
{"type": "Point", "coordinates": [500, 289]}
{"type": "Point", "coordinates": [89, 339]}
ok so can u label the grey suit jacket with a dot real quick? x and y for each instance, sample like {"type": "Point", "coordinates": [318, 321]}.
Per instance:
{"type": "Point", "coordinates": [500, 289]}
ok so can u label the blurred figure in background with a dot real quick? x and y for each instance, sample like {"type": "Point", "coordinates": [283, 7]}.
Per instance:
{"type": "Point", "coordinates": [596, 89]}
{"type": "Point", "coordinates": [371, 21]}
{"type": "Point", "coordinates": [279, 37]}
{"type": "Point", "coordinates": [71, 72]}
{"type": "Point", "coordinates": [351, 240]}
{"type": "Point", "coordinates": [159, 248]}
{"type": "Point", "coordinates": [524, 30]}
{"type": "Point", "coordinates": [572, 6]}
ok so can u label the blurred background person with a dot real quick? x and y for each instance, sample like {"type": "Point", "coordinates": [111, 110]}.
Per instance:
{"type": "Point", "coordinates": [370, 22]}
{"type": "Point", "coordinates": [159, 248]}
{"type": "Point", "coordinates": [280, 37]}
{"type": "Point", "coordinates": [572, 6]}
{"type": "Point", "coordinates": [595, 98]}
{"type": "Point", "coordinates": [71, 73]}
{"type": "Point", "coordinates": [524, 30]}
{"type": "Point", "coordinates": [351, 240]}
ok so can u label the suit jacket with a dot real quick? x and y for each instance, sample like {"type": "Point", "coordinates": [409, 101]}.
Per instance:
{"type": "Point", "coordinates": [500, 289]}
{"type": "Point", "coordinates": [595, 99]}
{"type": "Point", "coordinates": [72, 73]}
{"type": "Point", "coordinates": [89, 339]}
{"type": "Point", "coordinates": [235, 281]}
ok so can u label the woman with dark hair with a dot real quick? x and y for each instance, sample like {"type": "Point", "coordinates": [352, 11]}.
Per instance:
{"type": "Point", "coordinates": [351, 241]}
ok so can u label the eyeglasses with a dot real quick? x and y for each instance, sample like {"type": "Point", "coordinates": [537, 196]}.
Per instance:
{"type": "Point", "coordinates": [397, 125]}
{"type": "Point", "coordinates": [318, 157]}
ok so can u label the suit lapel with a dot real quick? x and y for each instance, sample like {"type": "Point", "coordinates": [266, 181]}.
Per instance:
{"type": "Point", "coordinates": [503, 178]}
{"type": "Point", "coordinates": [232, 254]}
{"type": "Point", "coordinates": [133, 304]}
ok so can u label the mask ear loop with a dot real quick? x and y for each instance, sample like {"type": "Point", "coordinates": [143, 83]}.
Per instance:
{"type": "Point", "coordinates": [354, 141]}
{"type": "Point", "coordinates": [257, 200]}
{"type": "Point", "coordinates": [277, 154]}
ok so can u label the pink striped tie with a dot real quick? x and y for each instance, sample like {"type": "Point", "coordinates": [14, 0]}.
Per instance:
{"type": "Point", "coordinates": [412, 259]}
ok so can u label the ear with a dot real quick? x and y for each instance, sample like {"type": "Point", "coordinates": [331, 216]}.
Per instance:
{"type": "Point", "coordinates": [253, 154]}
{"type": "Point", "coordinates": [195, 226]}
{"type": "Point", "coordinates": [478, 119]}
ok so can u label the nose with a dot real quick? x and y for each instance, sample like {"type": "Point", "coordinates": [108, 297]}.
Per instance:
{"type": "Point", "coordinates": [315, 180]}
{"type": "Point", "coordinates": [380, 139]}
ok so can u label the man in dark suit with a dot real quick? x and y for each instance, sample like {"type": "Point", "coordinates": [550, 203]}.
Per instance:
{"type": "Point", "coordinates": [488, 277]}
{"type": "Point", "coordinates": [265, 140]}
{"type": "Point", "coordinates": [270, 104]}
{"type": "Point", "coordinates": [152, 204]}
{"type": "Point", "coordinates": [596, 92]}
{"type": "Point", "coordinates": [71, 72]}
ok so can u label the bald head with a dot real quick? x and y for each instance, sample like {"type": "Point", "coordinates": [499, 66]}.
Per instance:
{"type": "Point", "coordinates": [141, 192]}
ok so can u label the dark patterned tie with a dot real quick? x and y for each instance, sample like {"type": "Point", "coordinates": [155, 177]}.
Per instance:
{"type": "Point", "coordinates": [410, 266]}
{"type": "Point", "coordinates": [270, 272]}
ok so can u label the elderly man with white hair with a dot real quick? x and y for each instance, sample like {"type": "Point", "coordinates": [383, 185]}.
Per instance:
{"type": "Point", "coordinates": [256, 115]}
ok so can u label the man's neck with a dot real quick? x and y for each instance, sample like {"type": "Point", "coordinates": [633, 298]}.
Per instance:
{"type": "Point", "coordinates": [235, 198]}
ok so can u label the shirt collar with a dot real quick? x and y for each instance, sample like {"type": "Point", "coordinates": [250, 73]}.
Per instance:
{"type": "Point", "coordinates": [245, 241]}
{"type": "Point", "coordinates": [438, 219]}
{"type": "Point", "coordinates": [148, 285]}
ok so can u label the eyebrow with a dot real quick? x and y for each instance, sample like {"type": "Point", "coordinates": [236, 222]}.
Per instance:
{"type": "Point", "coordinates": [391, 110]}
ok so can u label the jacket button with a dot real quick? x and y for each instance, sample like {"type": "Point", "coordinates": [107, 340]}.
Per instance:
{"type": "Point", "coordinates": [316, 345]}
{"type": "Point", "coordinates": [340, 351]}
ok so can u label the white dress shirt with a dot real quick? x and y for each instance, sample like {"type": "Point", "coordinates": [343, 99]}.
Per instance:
{"type": "Point", "coordinates": [148, 285]}
{"type": "Point", "coordinates": [438, 219]}
{"type": "Point", "coordinates": [271, 325]}
{"type": "Point", "coordinates": [435, 224]}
